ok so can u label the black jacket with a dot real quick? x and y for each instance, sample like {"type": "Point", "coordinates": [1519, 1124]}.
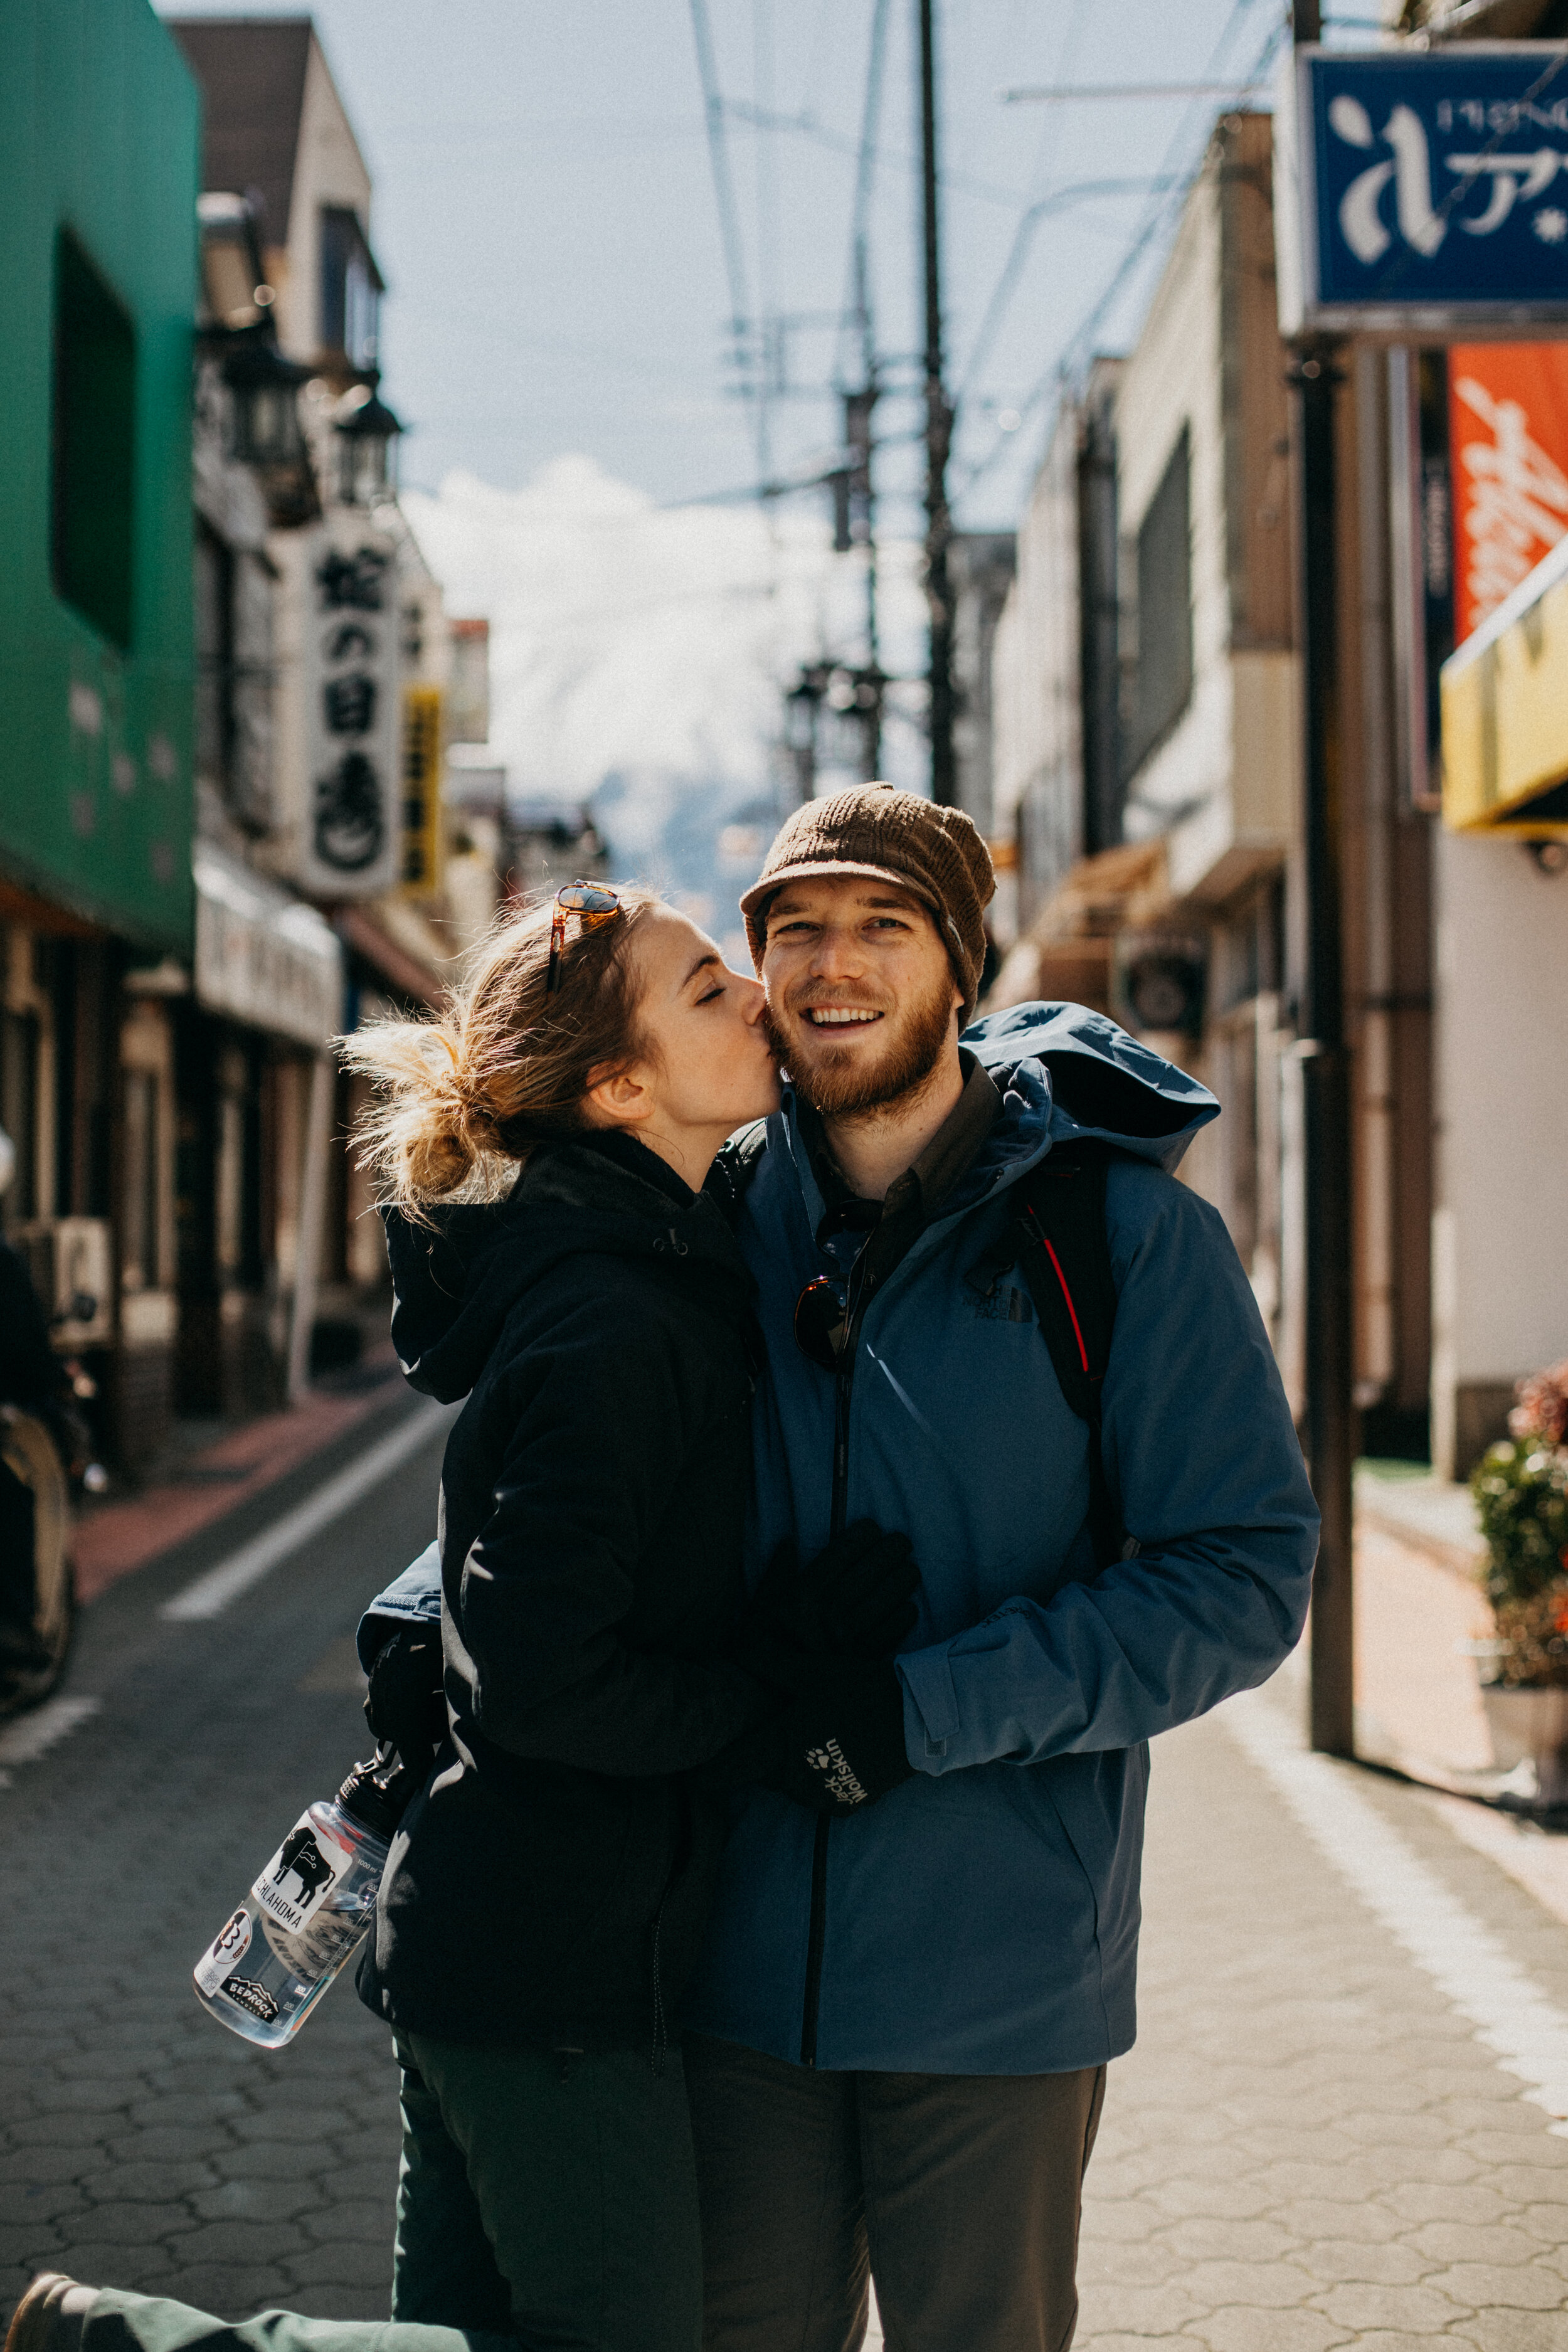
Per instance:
{"type": "Point", "coordinates": [551, 1882]}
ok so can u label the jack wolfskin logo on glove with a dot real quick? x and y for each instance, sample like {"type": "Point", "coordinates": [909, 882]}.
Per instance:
{"type": "Point", "coordinates": [837, 1772]}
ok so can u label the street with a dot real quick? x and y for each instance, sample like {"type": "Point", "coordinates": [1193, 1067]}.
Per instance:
{"type": "Point", "coordinates": [143, 2146]}
{"type": "Point", "coordinates": [1317, 2142]}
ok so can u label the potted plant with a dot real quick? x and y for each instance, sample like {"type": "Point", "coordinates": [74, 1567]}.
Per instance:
{"type": "Point", "coordinates": [1520, 1488]}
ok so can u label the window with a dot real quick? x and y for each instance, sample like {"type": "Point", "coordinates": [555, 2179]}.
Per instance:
{"type": "Point", "coordinates": [351, 288]}
{"type": "Point", "coordinates": [1164, 678]}
{"type": "Point", "coordinates": [93, 454]}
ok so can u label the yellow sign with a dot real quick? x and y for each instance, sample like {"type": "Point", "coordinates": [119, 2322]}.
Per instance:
{"type": "Point", "coordinates": [1505, 713]}
{"type": "Point", "coordinates": [420, 866]}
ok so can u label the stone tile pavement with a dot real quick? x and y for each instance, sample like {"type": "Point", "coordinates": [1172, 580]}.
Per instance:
{"type": "Point", "coordinates": [140, 2144]}
{"type": "Point", "coordinates": [1312, 2146]}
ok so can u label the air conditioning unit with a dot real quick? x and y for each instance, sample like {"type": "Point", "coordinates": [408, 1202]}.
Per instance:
{"type": "Point", "coordinates": [71, 1261]}
{"type": "Point", "coordinates": [1158, 983]}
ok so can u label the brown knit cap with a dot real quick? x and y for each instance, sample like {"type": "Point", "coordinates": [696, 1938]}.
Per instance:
{"type": "Point", "coordinates": [892, 837]}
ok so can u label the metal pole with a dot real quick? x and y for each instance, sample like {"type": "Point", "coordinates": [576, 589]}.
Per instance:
{"type": "Point", "coordinates": [1325, 1069]}
{"type": "Point", "coordinates": [939, 432]}
{"type": "Point", "coordinates": [313, 1183]}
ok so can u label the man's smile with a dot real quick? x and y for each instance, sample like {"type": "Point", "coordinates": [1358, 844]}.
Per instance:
{"type": "Point", "coordinates": [838, 1016]}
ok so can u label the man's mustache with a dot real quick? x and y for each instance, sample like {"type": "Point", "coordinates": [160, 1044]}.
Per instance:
{"type": "Point", "coordinates": [817, 997]}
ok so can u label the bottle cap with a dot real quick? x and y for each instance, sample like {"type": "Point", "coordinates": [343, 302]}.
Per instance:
{"type": "Point", "coordinates": [376, 1794]}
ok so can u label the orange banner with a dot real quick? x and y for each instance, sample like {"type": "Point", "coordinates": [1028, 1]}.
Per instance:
{"type": "Point", "coordinates": [1508, 455]}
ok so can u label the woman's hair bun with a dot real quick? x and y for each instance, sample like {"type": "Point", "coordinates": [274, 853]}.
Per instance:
{"type": "Point", "coordinates": [438, 1161]}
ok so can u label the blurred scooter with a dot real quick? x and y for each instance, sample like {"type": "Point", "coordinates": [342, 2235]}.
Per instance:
{"type": "Point", "coordinates": [43, 1446]}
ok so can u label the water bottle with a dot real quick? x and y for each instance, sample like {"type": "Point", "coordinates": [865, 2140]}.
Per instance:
{"type": "Point", "coordinates": [273, 1958]}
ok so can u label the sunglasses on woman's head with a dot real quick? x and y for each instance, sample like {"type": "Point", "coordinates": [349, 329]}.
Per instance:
{"type": "Point", "coordinates": [592, 903]}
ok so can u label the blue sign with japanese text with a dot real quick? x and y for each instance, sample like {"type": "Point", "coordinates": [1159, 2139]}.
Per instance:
{"type": "Point", "coordinates": [1429, 183]}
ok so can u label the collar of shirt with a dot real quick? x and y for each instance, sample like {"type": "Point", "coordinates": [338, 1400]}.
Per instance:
{"type": "Point", "coordinates": [915, 1197]}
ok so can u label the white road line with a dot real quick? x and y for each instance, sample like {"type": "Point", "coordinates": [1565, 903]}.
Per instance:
{"type": "Point", "coordinates": [33, 1734]}
{"type": "Point", "coordinates": [1464, 1959]}
{"type": "Point", "coordinates": [208, 1595]}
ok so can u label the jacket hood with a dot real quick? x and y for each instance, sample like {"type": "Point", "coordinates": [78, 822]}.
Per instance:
{"type": "Point", "coordinates": [1098, 1082]}
{"type": "Point", "coordinates": [458, 1278]}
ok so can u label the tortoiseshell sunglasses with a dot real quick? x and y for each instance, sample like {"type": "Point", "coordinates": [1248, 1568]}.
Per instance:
{"type": "Point", "coordinates": [589, 901]}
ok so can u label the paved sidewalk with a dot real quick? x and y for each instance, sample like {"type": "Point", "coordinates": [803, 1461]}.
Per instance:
{"type": "Point", "coordinates": [203, 1486]}
{"type": "Point", "coordinates": [1309, 2147]}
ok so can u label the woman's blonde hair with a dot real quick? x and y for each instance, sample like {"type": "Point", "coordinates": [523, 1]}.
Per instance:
{"type": "Point", "coordinates": [463, 1098]}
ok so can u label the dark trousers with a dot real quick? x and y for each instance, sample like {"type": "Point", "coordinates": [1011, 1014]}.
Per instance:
{"type": "Point", "coordinates": [958, 2194]}
{"type": "Point", "coordinates": [545, 2201]}
{"type": "Point", "coordinates": [547, 2196]}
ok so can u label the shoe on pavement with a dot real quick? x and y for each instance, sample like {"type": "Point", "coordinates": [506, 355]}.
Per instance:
{"type": "Point", "coordinates": [51, 2315]}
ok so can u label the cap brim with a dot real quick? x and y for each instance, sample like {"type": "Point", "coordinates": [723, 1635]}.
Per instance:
{"type": "Point", "coordinates": [754, 901]}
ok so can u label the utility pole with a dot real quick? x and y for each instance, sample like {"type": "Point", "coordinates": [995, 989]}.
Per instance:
{"type": "Point", "coordinates": [939, 433]}
{"type": "Point", "coordinates": [860, 408]}
{"type": "Point", "coordinates": [1325, 1068]}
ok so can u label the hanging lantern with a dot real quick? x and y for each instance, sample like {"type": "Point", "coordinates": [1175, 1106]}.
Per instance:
{"type": "Point", "coordinates": [264, 388]}
{"type": "Point", "coordinates": [366, 432]}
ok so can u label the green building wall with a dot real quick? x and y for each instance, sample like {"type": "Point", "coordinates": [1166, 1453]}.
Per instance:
{"type": "Point", "coordinates": [100, 137]}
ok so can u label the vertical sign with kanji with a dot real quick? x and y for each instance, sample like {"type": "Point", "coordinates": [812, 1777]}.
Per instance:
{"type": "Point", "coordinates": [352, 834]}
{"type": "Point", "coordinates": [421, 871]}
{"type": "Point", "coordinates": [1507, 442]}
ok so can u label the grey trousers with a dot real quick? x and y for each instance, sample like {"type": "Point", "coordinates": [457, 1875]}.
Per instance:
{"type": "Point", "coordinates": [958, 2194]}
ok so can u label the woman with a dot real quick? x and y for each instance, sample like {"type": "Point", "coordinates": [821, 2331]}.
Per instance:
{"type": "Point", "coordinates": [544, 1898]}
{"type": "Point", "coordinates": [543, 1148]}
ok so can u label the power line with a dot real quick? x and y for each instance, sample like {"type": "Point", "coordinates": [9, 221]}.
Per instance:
{"type": "Point", "coordinates": [857, 302]}
{"type": "Point", "coordinates": [728, 212]}
{"type": "Point", "coordinates": [1160, 213]}
{"type": "Point", "coordinates": [1057, 201]}
{"type": "Point", "coordinates": [964, 183]}
{"type": "Point", "coordinates": [769, 356]}
{"type": "Point", "coordinates": [1070, 93]}
{"type": "Point", "coordinates": [1024, 232]}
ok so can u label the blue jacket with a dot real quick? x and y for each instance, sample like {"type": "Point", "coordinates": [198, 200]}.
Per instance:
{"type": "Point", "coordinates": [983, 1918]}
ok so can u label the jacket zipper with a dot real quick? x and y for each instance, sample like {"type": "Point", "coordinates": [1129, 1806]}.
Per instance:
{"type": "Point", "coordinates": [817, 1931]}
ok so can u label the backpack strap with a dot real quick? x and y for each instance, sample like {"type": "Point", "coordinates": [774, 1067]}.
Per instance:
{"type": "Point", "coordinates": [729, 1177]}
{"type": "Point", "coordinates": [1066, 1261]}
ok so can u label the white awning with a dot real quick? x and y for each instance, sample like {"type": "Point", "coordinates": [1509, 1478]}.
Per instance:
{"type": "Point", "coordinates": [263, 957]}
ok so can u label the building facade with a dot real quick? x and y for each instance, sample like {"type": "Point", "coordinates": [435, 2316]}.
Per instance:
{"type": "Point", "coordinates": [323, 826]}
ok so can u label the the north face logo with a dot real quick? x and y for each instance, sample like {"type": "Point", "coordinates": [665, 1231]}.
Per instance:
{"type": "Point", "coordinates": [838, 1773]}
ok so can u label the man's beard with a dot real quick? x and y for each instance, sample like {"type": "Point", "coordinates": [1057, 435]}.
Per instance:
{"type": "Point", "coordinates": [845, 1082]}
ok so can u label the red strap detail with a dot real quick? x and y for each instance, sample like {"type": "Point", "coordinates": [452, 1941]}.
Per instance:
{"type": "Point", "coordinates": [1056, 1267]}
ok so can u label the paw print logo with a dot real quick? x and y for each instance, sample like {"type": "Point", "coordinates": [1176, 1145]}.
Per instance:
{"type": "Point", "coordinates": [818, 1758]}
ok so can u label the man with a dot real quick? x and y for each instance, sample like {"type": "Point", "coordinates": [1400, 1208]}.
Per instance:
{"type": "Point", "coordinates": [903, 2022]}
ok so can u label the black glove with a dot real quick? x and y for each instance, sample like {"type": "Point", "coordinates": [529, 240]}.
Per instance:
{"type": "Point", "coordinates": [839, 1743]}
{"type": "Point", "coordinates": [855, 1599]}
{"type": "Point", "coordinates": [406, 1706]}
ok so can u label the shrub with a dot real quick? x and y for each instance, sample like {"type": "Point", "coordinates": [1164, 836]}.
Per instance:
{"type": "Point", "coordinates": [1522, 1500]}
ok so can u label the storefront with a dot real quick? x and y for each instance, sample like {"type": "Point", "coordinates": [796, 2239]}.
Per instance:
{"type": "Point", "coordinates": [1501, 1292]}
{"type": "Point", "coordinates": [255, 1090]}
{"type": "Point", "coordinates": [98, 187]}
